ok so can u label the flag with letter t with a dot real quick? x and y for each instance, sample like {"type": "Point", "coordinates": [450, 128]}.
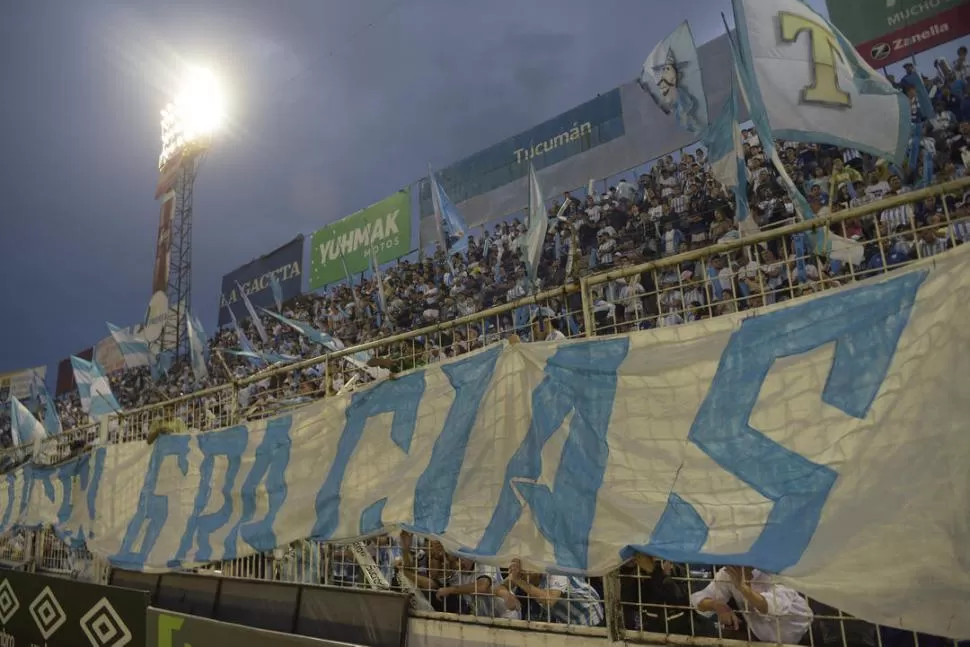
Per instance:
{"type": "Point", "coordinates": [811, 83]}
{"type": "Point", "coordinates": [672, 76]}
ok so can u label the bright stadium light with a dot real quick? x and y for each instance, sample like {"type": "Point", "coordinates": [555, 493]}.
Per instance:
{"type": "Point", "coordinates": [196, 113]}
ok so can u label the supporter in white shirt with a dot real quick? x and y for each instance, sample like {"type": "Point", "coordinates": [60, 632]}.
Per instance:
{"type": "Point", "coordinates": [480, 586]}
{"type": "Point", "coordinates": [773, 612]}
{"type": "Point", "coordinates": [625, 190]}
{"type": "Point", "coordinates": [605, 246]}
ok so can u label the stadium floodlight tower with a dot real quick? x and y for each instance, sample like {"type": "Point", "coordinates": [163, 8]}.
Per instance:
{"type": "Point", "coordinates": [188, 124]}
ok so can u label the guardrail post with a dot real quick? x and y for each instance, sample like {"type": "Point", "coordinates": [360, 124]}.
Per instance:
{"type": "Point", "coordinates": [612, 607]}
{"type": "Point", "coordinates": [589, 321]}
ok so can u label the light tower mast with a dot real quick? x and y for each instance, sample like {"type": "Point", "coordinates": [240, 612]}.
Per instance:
{"type": "Point", "coordinates": [187, 123]}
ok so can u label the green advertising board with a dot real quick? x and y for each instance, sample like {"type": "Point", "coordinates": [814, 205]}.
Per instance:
{"type": "Point", "coordinates": [382, 230]}
{"type": "Point", "coordinates": [865, 20]}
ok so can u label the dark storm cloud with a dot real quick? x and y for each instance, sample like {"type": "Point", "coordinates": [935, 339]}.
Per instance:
{"type": "Point", "coordinates": [335, 104]}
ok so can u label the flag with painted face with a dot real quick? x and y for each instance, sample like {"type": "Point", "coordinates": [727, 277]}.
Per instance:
{"type": "Point", "coordinates": [812, 85]}
{"type": "Point", "coordinates": [134, 348]}
{"type": "Point", "coordinates": [93, 388]}
{"type": "Point", "coordinates": [672, 76]}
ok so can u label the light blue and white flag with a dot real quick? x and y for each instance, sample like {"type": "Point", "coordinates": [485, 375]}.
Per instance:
{"type": "Point", "coordinates": [923, 102]}
{"type": "Point", "coordinates": [274, 284]}
{"type": "Point", "coordinates": [52, 421]}
{"type": "Point", "coordinates": [452, 225]}
{"type": "Point", "coordinates": [825, 243]}
{"type": "Point", "coordinates": [93, 387]}
{"type": "Point", "coordinates": [253, 315]}
{"type": "Point", "coordinates": [135, 349]}
{"type": "Point", "coordinates": [812, 85]}
{"type": "Point", "coordinates": [331, 343]}
{"type": "Point", "coordinates": [672, 76]}
{"type": "Point", "coordinates": [247, 346]}
{"type": "Point", "coordinates": [24, 427]}
{"type": "Point", "coordinates": [197, 347]}
{"type": "Point", "coordinates": [381, 298]}
{"type": "Point", "coordinates": [535, 237]}
{"type": "Point", "coordinates": [725, 150]}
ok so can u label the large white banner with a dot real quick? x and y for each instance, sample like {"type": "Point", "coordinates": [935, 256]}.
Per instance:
{"type": "Point", "coordinates": [824, 440]}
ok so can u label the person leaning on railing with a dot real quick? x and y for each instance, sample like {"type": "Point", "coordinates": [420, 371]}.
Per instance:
{"type": "Point", "coordinates": [773, 612]}
{"type": "Point", "coordinates": [654, 601]}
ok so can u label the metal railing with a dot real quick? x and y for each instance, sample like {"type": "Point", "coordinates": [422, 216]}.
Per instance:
{"type": "Point", "coordinates": [644, 600]}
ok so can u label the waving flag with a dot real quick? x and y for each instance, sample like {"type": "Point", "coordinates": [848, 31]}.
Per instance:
{"type": "Point", "coordinates": [825, 242]}
{"type": "Point", "coordinates": [24, 427]}
{"type": "Point", "coordinates": [811, 84]}
{"type": "Point", "coordinates": [253, 315]}
{"type": "Point", "coordinates": [274, 284]}
{"type": "Point", "coordinates": [726, 153]}
{"type": "Point", "coordinates": [52, 421]}
{"type": "Point", "coordinates": [923, 102]}
{"type": "Point", "coordinates": [134, 348]}
{"type": "Point", "coordinates": [381, 298]}
{"type": "Point", "coordinates": [247, 347]}
{"type": "Point", "coordinates": [97, 400]}
{"type": "Point", "coordinates": [331, 343]}
{"type": "Point", "coordinates": [451, 225]}
{"type": "Point", "coordinates": [197, 347]}
{"type": "Point", "coordinates": [535, 237]}
{"type": "Point", "coordinates": [672, 76]}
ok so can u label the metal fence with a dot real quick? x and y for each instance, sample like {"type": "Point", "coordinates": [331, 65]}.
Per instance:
{"type": "Point", "coordinates": [646, 600]}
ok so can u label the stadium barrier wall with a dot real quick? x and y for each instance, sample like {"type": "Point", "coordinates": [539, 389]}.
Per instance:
{"type": "Point", "coordinates": [312, 562]}
{"type": "Point", "coordinates": [56, 612]}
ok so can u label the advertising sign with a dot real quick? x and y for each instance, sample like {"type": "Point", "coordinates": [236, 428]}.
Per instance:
{"type": "Point", "coordinates": [573, 132]}
{"type": "Point", "coordinates": [255, 277]}
{"type": "Point", "coordinates": [163, 246]}
{"type": "Point", "coordinates": [17, 383]}
{"type": "Point", "coordinates": [168, 629]}
{"type": "Point", "coordinates": [55, 612]}
{"type": "Point", "coordinates": [887, 31]}
{"type": "Point", "coordinates": [384, 228]}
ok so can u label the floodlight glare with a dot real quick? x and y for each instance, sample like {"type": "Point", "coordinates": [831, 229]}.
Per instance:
{"type": "Point", "coordinates": [197, 112]}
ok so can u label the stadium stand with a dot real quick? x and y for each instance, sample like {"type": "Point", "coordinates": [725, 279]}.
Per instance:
{"type": "Point", "coordinates": [670, 207]}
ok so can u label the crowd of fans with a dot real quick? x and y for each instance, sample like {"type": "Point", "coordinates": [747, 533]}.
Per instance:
{"type": "Point", "coordinates": [674, 206]}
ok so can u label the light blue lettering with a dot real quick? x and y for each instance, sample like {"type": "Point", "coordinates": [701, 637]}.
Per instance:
{"type": "Point", "coordinates": [230, 443]}
{"type": "Point", "coordinates": [436, 486]}
{"type": "Point", "coordinates": [152, 507]}
{"type": "Point", "coordinates": [272, 457]}
{"type": "Point", "coordinates": [580, 379]}
{"type": "Point", "coordinates": [865, 325]}
{"type": "Point", "coordinates": [400, 397]}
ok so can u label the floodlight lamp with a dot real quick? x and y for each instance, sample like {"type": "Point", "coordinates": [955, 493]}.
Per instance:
{"type": "Point", "coordinates": [195, 114]}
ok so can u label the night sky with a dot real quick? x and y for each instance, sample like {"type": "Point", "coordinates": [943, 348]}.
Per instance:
{"type": "Point", "coordinates": [333, 106]}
